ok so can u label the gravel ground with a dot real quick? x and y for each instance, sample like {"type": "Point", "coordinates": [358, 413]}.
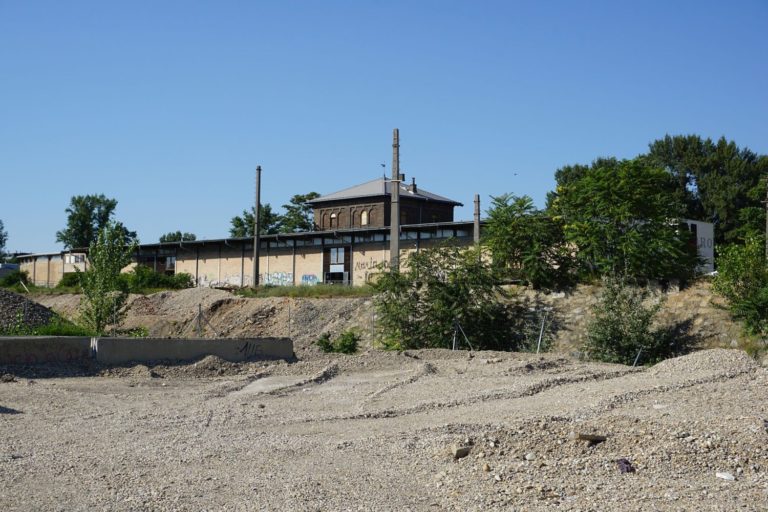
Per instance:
{"type": "Point", "coordinates": [17, 309]}
{"type": "Point", "coordinates": [378, 431]}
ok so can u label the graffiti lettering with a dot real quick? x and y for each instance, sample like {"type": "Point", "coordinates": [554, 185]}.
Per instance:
{"type": "Point", "coordinates": [371, 264]}
{"type": "Point", "coordinates": [309, 279]}
{"type": "Point", "coordinates": [278, 278]}
{"type": "Point", "coordinates": [251, 349]}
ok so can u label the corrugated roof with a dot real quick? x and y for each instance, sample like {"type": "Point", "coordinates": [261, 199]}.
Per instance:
{"type": "Point", "coordinates": [381, 187]}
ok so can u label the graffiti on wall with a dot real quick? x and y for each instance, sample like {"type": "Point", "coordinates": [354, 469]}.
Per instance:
{"type": "Point", "coordinates": [277, 278]}
{"type": "Point", "coordinates": [370, 264]}
{"type": "Point", "coordinates": [309, 279]}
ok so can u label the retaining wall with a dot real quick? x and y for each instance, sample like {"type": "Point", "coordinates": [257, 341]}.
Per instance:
{"type": "Point", "coordinates": [123, 350]}
{"type": "Point", "coordinates": [48, 349]}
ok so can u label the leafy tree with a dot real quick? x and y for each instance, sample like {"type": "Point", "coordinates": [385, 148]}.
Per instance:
{"type": "Point", "coordinates": [298, 214]}
{"type": "Point", "coordinates": [623, 326]}
{"type": "Point", "coordinates": [3, 240]}
{"type": "Point", "coordinates": [718, 182]}
{"type": "Point", "coordinates": [102, 296]}
{"type": "Point", "coordinates": [86, 218]}
{"type": "Point", "coordinates": [622, 218]}
{"type": "Point", "coordinates": [525, 243]}
{"type": "Point", "coordinates": [418, 306]}
{"type": "Point", "coordinates": [177, 236]}
{"type": "Point", "coordinates": [742, 278]}
{"type": "Point", "coordinates": [242, 226]}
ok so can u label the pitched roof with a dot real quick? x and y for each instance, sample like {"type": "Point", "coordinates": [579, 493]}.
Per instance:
{"type": "Point", "coordinates": [382, 187]}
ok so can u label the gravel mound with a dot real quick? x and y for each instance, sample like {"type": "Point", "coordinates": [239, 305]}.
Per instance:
{"type": "Point", "coordinates": [715, 360]}
{"type": "Point", "coordinates": [15, 308]}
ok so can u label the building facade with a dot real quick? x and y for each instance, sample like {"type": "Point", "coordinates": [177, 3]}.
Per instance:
{"type": "Point", "coordinates": [369, 205]}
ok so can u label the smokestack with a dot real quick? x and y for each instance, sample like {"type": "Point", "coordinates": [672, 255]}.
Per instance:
{"type": "Point", "coordinates": [394, 211]}
{"type": "Point", "coordinates": [477, 218]}
{"type": "Point", "coordinates": [413, 185]}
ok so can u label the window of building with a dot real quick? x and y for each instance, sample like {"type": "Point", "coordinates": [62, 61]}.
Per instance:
{"type": "Point", "coordinates": [337, 259]}
{"type": "Point", "coordinates": [334, 221]}
{"type": "Point", "coordinates": [364, 218]}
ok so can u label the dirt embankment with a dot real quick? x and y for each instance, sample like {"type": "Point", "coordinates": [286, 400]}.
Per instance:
{"type": "Point", "coordinates": [175, 313]}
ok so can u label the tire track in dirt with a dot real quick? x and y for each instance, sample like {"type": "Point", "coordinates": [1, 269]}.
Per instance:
{"type": "Point", "coordinates": [527, 391]}
{"type": "Point", "coordinates": [423, 371]}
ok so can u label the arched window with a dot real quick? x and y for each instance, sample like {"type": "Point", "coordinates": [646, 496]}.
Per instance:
{"type": "Point", "coordinates": [325, 221]}
{"type": "Point", "coordinates": [334, 221]}
{"type": "Point", "coordinates": [364, 218]}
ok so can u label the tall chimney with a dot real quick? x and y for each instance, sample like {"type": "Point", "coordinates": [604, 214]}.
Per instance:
{"type": "Point", "coordinates": [394, 211]}
{"type": "Point", "coordinates": [477, 219]}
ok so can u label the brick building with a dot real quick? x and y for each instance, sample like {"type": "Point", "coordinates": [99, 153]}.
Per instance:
{"type": "Point", "coordinates": [368, 205]}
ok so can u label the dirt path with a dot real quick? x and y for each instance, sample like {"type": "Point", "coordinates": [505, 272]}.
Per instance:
{"type": "Point", "coordinates": [374, 431]}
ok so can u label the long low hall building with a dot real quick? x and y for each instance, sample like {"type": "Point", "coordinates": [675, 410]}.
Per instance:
{"type": "Point", "coordinates": [349, 244]}
{"type": "Point", "coordinates": [343, 256]}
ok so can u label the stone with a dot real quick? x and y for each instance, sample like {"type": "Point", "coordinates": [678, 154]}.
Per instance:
{"type": "Point", "coordinates": [725, 476]}
{"type": "Point", "coordinates": [530, 456]}
{"type": "Point", "coordinates": [459, 451]}
{"type": "Point", "coordinates": [486, 467]}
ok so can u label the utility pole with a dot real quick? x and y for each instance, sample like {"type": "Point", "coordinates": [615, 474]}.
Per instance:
{"type": "Point", "coordinates": [394, 210]}
{"type": "Point", "coordinates": [476, 224]}
{"type": "Point", "coordinates": [256, 235]}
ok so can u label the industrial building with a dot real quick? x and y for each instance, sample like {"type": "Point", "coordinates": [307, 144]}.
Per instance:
{"type": "Point", "coordinates": [358, 231]}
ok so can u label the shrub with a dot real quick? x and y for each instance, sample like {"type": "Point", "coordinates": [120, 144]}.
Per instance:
{"type": "Point", "coordinates": [623, 326]}
{"type": "Point", "coordinates": [14, 278]}
{"type": "Point", "coordinates": [69, 280]}
{"type": "Point", "coordinates": [742, 278]}
{"type": "Point", "coordinates": [420, 306]}
{"type": "Point", "coordinates": [142, 278]}
{"type": "Point", "coordinates": [346, 343]}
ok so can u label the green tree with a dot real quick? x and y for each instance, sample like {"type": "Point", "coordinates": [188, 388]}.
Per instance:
{"type": "Point", "coordinates": [718, 182]}
{"type": "Point", "coordinates": [742, 278]}
{"type": "Point", "coordinates": [177, 236]}
{"type": "Point", "coordinates": [102, 297]}
{"type": "Point", "coordinates": [526, 243]}
{"type": "Point", "coordinates": [86, 217]}
{"type": "Point", "coordinates": [298, 214]}
{"type": "Point", "coordinates": [418, 307]}
{"type": "Point", "coordinates": [242, 225]}
{"type": "Point", "coordinates": [622, 218]}
{"type": "Point", "coordinates": [3, 240]}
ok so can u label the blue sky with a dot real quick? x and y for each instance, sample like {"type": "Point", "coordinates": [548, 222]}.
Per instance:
{"type": "Point", "coordinates": [169, 106]}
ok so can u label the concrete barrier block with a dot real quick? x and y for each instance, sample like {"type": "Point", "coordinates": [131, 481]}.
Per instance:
{"type": "Point", "coordinates": [44, 349]}
{"type": "Point", "coordinates": [123, 350]}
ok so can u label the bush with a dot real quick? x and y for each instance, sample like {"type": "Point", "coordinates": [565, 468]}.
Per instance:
{"type": "Point", "coordinates": [622, 327]}
{"type": "Point", "coordinates": [14, 278]}
{"type": "Point", "coordinates": [143, 278]}
{"type": "Point", "coordinates": [420, 306]}
{"type": "Point", "coordinates": [742, 278]}
{"type": "Point", "coordinates": [346, 343]}
{"type": "Point", "coordinates": [69, 280]}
